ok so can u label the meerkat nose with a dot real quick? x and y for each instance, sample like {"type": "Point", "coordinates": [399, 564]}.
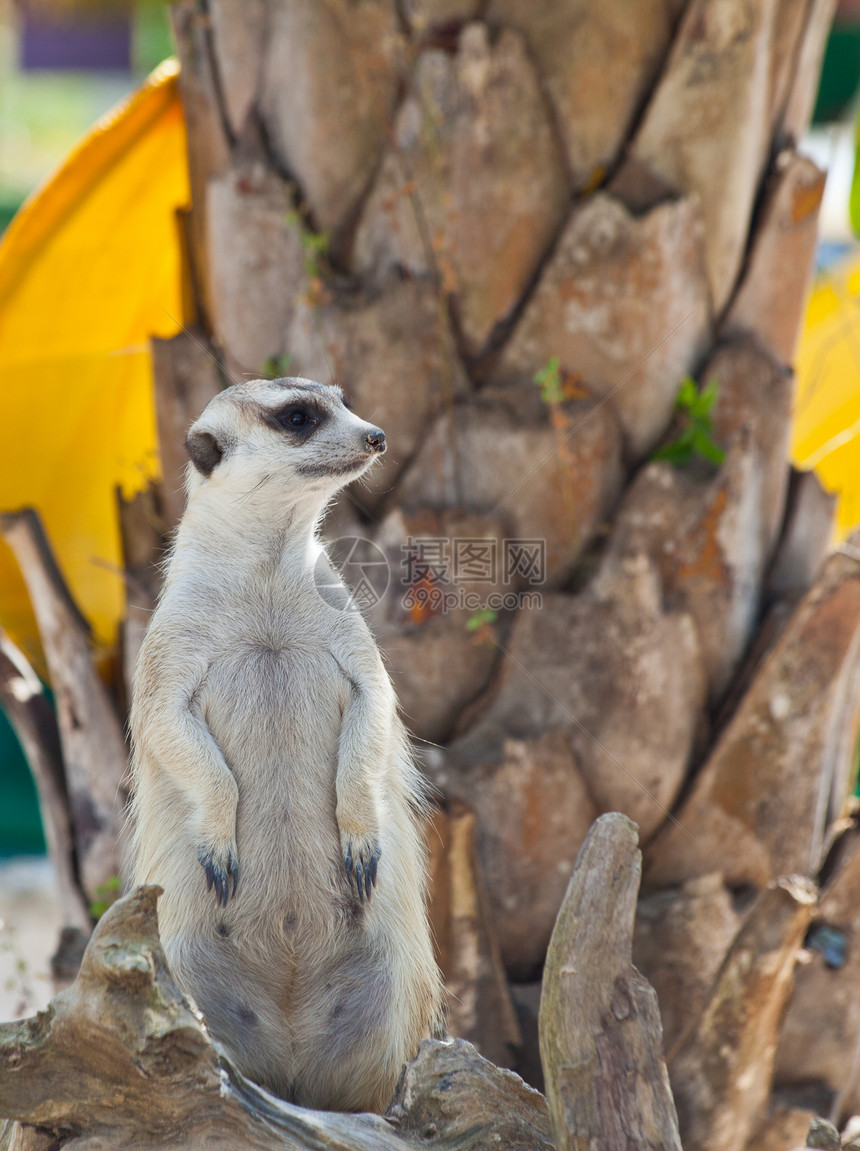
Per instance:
{"type": "Point", "coordinates": [375, 440]}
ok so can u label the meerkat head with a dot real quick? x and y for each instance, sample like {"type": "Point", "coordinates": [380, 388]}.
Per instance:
{"type": "Point", "coordinates": [293, 435]}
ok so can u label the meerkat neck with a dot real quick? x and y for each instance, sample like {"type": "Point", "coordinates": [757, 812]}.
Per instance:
{"type": "Point", "coordinates": [249, 529]}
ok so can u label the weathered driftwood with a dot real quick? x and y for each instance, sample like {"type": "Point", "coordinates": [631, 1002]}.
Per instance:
{"type": "Point", "coordinates": [820, 1037]}
{"type": "Point", "coordinates": [122, 1060]}
{"type": "Point", "coordinates": [94, 749]}
{"type": "Point", "coordinates": [721, 1072]}
{"type": "Point", "coordinates": [601, 1039]}
{"type": "Point", "coordinates": [26, 706]}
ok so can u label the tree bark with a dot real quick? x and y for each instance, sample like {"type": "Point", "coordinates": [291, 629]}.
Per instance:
{"type": "Point", "coordinates": [434, 203]}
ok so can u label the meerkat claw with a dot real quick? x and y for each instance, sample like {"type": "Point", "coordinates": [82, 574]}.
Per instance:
{"type": "Point", "coordinates": [219, 877]}
{"type": "Point", "coordinates": [362, 865]}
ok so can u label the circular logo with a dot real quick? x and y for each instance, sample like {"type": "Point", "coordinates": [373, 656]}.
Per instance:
{"type": "Point", "coordinates": [352, 574]}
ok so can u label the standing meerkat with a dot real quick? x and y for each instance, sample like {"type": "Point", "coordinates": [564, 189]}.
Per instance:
{"type": "Point", "coordinates": [275, 796]}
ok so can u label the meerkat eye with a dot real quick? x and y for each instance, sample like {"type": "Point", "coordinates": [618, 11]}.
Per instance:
{"type": "Point", "coordinates": [297, 417]}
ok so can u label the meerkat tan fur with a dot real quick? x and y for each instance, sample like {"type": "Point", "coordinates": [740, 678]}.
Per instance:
{"type": "Point", "coordinates": [275, 797]}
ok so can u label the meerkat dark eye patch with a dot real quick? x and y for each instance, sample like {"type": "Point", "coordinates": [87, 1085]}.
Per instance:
{"type": "Point", "coordinates": [205, 451]}
{"type": "Point", "coordinates": [300, 418]}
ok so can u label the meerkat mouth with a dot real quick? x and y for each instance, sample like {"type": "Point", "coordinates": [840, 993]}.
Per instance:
{"type": "Point", "coordinates": [357, 465]}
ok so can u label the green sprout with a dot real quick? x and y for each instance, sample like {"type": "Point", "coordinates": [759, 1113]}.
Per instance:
{"type": "Point", "coordinates": [549, 380]}
{"type": "Point", "coordinates": [481, 619]}
{"type": "Point", "coordinates": [314, 245]}
{"type": "Point", "coordinates": [275, 367]}
{"type": "Point", "coordinates": [696, 438]}
{"type": "Point", "coordinates": [107, 893]}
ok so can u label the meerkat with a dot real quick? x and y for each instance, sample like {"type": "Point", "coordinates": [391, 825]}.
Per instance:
{"type": "Point", "coordinates": [276, 800]}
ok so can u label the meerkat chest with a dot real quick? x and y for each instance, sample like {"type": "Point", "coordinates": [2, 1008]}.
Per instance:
{"type": "Point", "coordinates": [274, 695]}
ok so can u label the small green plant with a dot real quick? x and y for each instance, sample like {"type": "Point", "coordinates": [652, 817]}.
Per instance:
{"type": "Point", "coordinates": [275, 367]}
{"type": "Point", "coordinates": [107, 894]}
{"type": "Point", "coordinates": [694, 408]}
{"type": "Point", "coordinates": [314, 245]}
{"type": "Point", "coordinates": [549, 380]}
{"type": "Point", "coordinates": [481, 620]}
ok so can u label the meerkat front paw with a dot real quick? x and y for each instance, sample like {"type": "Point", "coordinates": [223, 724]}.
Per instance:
{"type": "Point", "coordinates": [221, 866]}
{"type": "Point", "coordinates": [361, 856]}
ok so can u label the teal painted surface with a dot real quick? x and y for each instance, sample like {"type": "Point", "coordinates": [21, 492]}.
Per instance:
{"type": "Point", "coordinates": [8, 207]}
{"type": "Point", "coordinates": [20, 823]}
{"type": "Point", "coordinates": [840, 74]}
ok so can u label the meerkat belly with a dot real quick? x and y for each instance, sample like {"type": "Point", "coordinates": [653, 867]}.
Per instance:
{"type": "Point", "coordinates": [276, 713]}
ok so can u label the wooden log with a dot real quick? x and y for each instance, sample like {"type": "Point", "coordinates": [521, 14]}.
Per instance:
{"type": "Point", "coordinates": [820, 1036]}
{"type": "Point", "coordinates": [94, 749]}
{"type": "Point", "coordinates": [721, 1073]}
{"type": "Point", "coordinates": [122, 1060]}
{"type": "Point", "coordinates": [783, 1129]}
{"type": "Point", "coordinates": [601, 1038]}
{"type": "Point", "coordinates": [449, 1097]}
{"type": "Point", "coordinates": [32, 718]}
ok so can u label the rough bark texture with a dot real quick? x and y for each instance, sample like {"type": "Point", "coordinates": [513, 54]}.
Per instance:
{"type": "Point", "coordinates": [785, 758]}
{"type": "Point", "coordinates": [721, 1072]}
{"type": "Point", "coordinates": [820, 1038]}
{"type": "Point", "coordinates": [510, 229]}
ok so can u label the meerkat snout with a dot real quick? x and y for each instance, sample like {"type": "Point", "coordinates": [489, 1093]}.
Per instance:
{"type": "Point", "coordinates": [375, 441]}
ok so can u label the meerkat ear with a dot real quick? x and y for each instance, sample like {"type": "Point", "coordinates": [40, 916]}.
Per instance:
{"type": "Point", "coordinates": [205, 451]}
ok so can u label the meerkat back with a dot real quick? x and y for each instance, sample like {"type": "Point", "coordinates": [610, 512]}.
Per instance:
{"type": "Point", "coordinates": [275, 797]}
